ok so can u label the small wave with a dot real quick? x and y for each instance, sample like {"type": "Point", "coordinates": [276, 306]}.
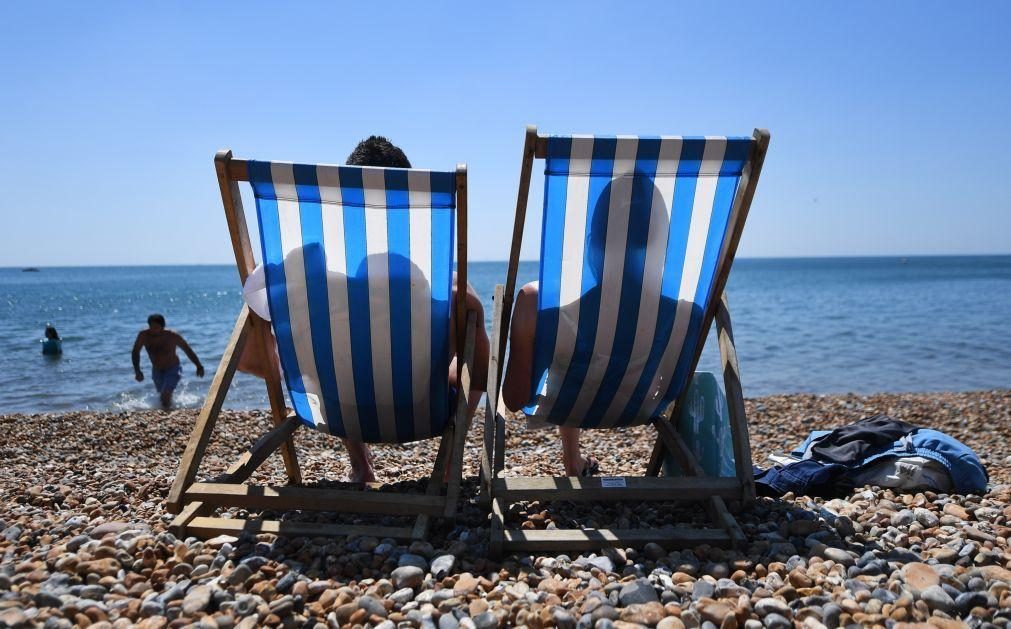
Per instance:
{"type": "Point", "coordinates": [135, 400]}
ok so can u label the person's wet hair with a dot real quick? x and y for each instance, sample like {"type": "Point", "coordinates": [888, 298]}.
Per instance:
{"type": "Point", "coordinates": [51, 333]}
{"type": "Point", "coordinates": [378, 151]}
{"type": "Point", "coordinates": [156, 319]}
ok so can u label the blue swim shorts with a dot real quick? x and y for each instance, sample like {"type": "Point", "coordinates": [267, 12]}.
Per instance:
{"type": "Point", "coordinates": [166, 379]}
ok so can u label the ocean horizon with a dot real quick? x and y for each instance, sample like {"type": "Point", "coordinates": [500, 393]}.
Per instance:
{"type": "Point", "coordinates": [23, 267]}
{"type": "Point", "coordinates": [860, 324]}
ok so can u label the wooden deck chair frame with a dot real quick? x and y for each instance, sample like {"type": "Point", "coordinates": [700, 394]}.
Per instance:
{"type": "Point", "coordinates": [195, 502]}
{"type": "Point", "coordinates": [713, 492]}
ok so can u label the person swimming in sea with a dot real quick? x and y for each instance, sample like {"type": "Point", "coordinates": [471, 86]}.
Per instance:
{"type": "Point", "coordinates": [52, 345]}
{"type": "Point", "coordinates": [161, 344]}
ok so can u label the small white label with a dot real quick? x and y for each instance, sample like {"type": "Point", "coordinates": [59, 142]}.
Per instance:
{"type": "Point", "coordinates": [612, 481]}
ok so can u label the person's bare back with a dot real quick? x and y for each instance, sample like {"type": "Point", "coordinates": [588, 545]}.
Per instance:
{"type": "Point", "coordinates": [161, 344]}
{"type": "Point", "coordinates": [161, 347]}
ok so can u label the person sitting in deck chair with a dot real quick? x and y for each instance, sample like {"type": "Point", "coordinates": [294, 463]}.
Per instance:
{"type": "Point", "coordinates": [380, 152]}
{"type": "Point", "coordinates": [516, 385]}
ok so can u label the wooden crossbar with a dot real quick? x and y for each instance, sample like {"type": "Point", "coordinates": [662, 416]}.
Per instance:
{"type": "Point", "coordinates": [284, 498]}
{"type": "Point", "coordinates": [596, 539]}
{"type": "Point", "coordinates": [209, 527]}
{"type": "Point", "coordinates": [623, 488]}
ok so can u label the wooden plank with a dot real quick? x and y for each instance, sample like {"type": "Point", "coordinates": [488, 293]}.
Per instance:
{"type": "Point", "coordinates": [194, 509]}
{"type": "Point", "coordinates": [723, 518]}
{"type": "Point", "coordinates": [571, 488]}
{"type": "Point", "coordinates": [499, 463]}
{"type": "Point", "coordinates": [715, 506]}
{"type": "Point", "coordinates": [461, 262]}
{"type": "Point", "coordinates": [678, 448]}
{"type": "Point", "coordinates": [491, 398]}
{"type": "Point", "coordinates": [231, 201]}
{"type": "Point", "coordinates": [595, 539]}
{"type": "Point", "coordinates": [735, 400]}
{"type": "Point", "coordinates": [204, 427]}
{"type": "Point", "coordinates": [183, 518]}
{"type": "Point", "coordinates": [522, 195]}
{"type": "Point", "coordinates": [278, 410]}
{"type": "Point", "coordinates": [541, 147]}
{"type": "Point", "coordinates": [237, 169]}
{"type": "Point", "coordinates": [436, 480]}
{"type": "Point", "coordinates": [496, 529]}
{"type": "Point", "coordinates": [288, 498]}
{"type": "Point", "coordinates": [461, 422]}
{"type": "Point", "coordinates": [266, 445]}
{"type": "Point", "coordinates": [738, 215]}
{"type": "Point", "coordinates": [209, 527]}
{"type": "Point", "coordinates": [655, 464]}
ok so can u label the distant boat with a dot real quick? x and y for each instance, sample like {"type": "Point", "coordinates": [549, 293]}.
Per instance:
{"type": "Point", "coordinates": [904, 261]}
{"type": "Point", "coordinates": [29, 269]}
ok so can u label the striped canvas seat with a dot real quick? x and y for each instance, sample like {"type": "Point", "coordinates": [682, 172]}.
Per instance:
{"type": "Point", "coordinates": [358, 264]}
{"type": "Point", "coordinates": [633, 232]}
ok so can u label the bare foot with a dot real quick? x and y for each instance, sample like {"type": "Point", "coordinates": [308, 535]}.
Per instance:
{"type": "Point", "coordinates": [361, 463]}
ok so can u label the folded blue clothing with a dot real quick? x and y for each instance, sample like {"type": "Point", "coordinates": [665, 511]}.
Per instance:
{"type": "Point", "coordinates": [830, 462]}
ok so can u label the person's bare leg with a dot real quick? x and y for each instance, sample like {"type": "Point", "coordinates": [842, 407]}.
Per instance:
{"type": "Point", "coordinates": [479, 375]}
{"type": "Point", "coordinates": [360, 457]}
{"type": "Point", "coordinates": [166, 398]}
{"type": "Point", "coordinates": [519, 372]}
{"type": "Point", "coordinates": [572, 458]}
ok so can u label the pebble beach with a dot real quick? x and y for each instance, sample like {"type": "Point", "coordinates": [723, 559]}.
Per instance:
{"type": "Point", "coordinates": [84, 536]}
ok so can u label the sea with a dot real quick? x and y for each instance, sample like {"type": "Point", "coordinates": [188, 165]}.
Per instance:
{"type": "Point", "coordinates": [818, 325]}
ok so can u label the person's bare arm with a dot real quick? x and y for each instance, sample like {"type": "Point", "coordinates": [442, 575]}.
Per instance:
{"type": "Point", "coordinates": [135, 356]}
{"type": "Point", "coordinates": [183, 345]}
{"type": "Point", "coordinates": [519, 369]}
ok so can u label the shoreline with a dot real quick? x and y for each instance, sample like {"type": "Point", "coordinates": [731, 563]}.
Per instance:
{"type": "Point", "coordinates": [82, 534]}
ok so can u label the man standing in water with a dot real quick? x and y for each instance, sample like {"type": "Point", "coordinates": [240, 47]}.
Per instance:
{"type": "Point", "coordinates": [161, 347]}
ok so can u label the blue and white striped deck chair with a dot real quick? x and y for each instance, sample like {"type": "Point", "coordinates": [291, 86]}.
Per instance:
{"type": "Point", "coordinates": [637, 237]}
{"type": "Point", "coordinates": [358, 266]}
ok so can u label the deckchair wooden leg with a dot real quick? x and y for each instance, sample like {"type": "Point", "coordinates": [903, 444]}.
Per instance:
{"type": "Point", "coordinates": [197, 508]}
{"type": "Point", "coordinates": [655, 464]}
{"type": "Point", "coordinates": [461, 422]}
{"type": "Point", "coordinates": [241, 469]}
{"type": "Point", "coordinates": [276, 396]}
{"type": "Point", "coordinates": [204, 428]}
{"type": "Point", "coordinates": [435, 481]}
{"type": "Point", "coordinates": [491, 399]}
{"type": "Point", "coordinates": [715, 506]}
{"type": "Point", "coordinates": [496, 541]}
{"type": "Point", "coordinates": [735, 401]}
{"type": "Point", "coordinates": [253, 458]}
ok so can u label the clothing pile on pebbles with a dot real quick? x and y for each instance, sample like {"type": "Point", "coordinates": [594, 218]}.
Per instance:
{"type": "Point", "coordinates": [84, 540]}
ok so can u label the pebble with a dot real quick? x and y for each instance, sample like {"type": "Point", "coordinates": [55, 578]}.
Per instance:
{"type": "Point", "coordinates": [410, 559]}
{"type": "Point", "coordinates": [638, 591]}
{"type": "Point", "coordinates": [196, 600]}
{"type": "Point", "coordinates": [919, 576]}
{"type": "Point", "coordinates": [937, 599]}
{"type": "Point", "coordinates": [838, 555]}
{"type": "Point", "coordinates": [92, 547]}
{"type": "Point", "coordinates": [767, 606]}
{"type": "Point", "coordinates": [407, 576]}
{"type": "Point", "coordinates": [442, 565]}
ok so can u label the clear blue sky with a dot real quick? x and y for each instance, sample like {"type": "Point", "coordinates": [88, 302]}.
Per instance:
{"type": "Point", "coordinates": [890, 121]}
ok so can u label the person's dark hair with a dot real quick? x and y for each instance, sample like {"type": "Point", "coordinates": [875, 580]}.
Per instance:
{"type": "Point", "coordinates": [378, 151]}
{"type": "Point", "coordinates": [156, 318]}
{"type": "Point", "coordinates": [51, 333]}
